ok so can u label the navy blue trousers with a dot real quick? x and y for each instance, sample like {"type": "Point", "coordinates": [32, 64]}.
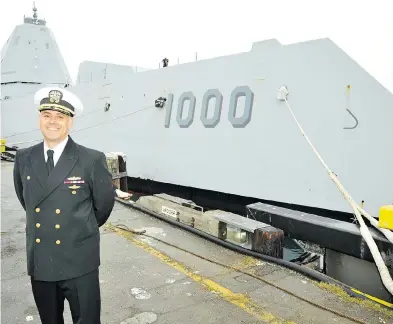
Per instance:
{"type": "Point", "coordinates": [82, 294]}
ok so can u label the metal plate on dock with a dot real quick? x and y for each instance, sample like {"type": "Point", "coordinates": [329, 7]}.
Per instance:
{"type": "Point", "coordinates": [238, 221]}
{"type": "Point", "coordinates": [174, 199]}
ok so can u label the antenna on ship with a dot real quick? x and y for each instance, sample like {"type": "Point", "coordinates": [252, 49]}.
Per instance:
{"type": "Point", "coordinates": [34, 20]}
{"type": "Point", "coordinates": [34, 13]}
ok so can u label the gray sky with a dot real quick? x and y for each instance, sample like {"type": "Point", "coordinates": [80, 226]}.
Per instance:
{"type": "Point", "coordinates": [143, 32]}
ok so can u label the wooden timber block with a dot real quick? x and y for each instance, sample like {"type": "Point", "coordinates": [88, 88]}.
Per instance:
{"type": "Point", "coordinates": [112, 161]}
{"type": "Point", "coordinates": [123, 181]}
{"type": "Point", "coordinates": [269, 241]}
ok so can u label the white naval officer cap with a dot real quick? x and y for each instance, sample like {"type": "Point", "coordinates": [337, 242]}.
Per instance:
{"type": "Point", "coordinates": [58, 99]}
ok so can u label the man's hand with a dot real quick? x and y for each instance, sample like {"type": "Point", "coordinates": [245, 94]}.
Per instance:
{"type": "Point", "coordinates": [123, 195]}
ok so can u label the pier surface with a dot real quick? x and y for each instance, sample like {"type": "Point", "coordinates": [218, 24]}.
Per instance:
{"type": "Point", "coordinates": [147, 281]}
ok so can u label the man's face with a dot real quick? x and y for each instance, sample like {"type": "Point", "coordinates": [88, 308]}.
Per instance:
{"type": "Point", "coordinates": [54, 125]}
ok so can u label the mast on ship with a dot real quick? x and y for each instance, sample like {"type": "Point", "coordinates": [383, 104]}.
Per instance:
{"type": "Point", "coordinates": [34, 20]}
{"type": "Point", "coordinates": [23, 72]}
{"type": "Point", "coordinates": [34, 12]}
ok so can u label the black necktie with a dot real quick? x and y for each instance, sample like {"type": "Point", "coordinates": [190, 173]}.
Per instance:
{"type": "Point", "coordinates": [49, 163]}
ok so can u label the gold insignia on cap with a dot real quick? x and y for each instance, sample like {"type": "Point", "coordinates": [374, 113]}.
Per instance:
{"type": "Point", "coordinates": [55, 96]}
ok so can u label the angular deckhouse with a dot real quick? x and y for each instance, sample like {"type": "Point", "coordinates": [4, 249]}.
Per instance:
{"type": "Point", "coordinates": [218, 124]}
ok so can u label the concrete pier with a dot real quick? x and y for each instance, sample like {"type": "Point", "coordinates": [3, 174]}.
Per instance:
{"type": "Point", "coordinates": [147, 281]}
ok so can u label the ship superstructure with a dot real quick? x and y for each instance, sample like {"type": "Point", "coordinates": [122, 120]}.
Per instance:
{"type": "Point", "coordinates": [217, 124]}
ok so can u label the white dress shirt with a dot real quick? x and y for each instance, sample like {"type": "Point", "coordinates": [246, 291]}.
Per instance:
{"type": "Point", "coordinates": [58, 149]}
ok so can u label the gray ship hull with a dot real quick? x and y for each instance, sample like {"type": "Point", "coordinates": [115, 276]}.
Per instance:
{"type": "Point", "coordinates": [247, 143]}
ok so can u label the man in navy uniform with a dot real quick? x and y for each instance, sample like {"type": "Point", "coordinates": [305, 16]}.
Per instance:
{"type": "Point", "coordinates": [66, 190]}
